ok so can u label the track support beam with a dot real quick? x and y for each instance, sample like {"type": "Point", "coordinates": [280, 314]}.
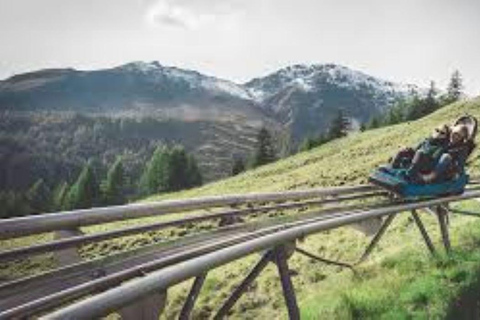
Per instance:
{"type": "Point", "coordinates": [376, 238]}
{"type": "Point", "coordinates": [442, 220]}
{"type": "Point", "coordinates": [324, 260]}
{"type": "Point", "coordinates": [423, 232]}
{"type": "Point", "coordinates": [192, 297]}
{"type": "Point", "coordinates": [281, 258]}
{"type": "Point", "coordinates": [238, 292]}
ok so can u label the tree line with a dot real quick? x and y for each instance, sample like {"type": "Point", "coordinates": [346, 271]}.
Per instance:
{"type": "Point", "coordinates": [413, 108]}
{"type": "Point", "coordinates": [418, 105]}
{"type": "Point", "coordinates": [169, 169]}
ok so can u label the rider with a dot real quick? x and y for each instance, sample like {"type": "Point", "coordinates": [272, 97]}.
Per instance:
{"type": "Point", "coordinates": [454, 158]}
{"type": "Point", "coordinates": [423, 158]}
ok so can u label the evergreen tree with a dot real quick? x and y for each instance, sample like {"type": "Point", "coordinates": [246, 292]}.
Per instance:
{"type": "Point", "coordinates": [59, 196]}
{"type": "Point", "coordinates": [420, 107]}
{"type": "Point", "coordinates": [154, 177]}
{"type": "Point", "coordinates": [431, 102]}
{"type": "Point", "coordinates": [307, 144]}
{"type": "Point", "coordinates": [339, 126]}
{"type": "Point", "coordinates": [264, 152]}
{"type": "Point", "coordinates": [285, 144]}
{"type": "Point", "coordinates": [238, 166]}
{"type": "Point", "coordinates": [455, 87]}
{"type": "Point", "coordinates": [194, 176]}
{"type": "Point", "coordinates": [113, 186]}
{"type": "Point", "coordinates": [396, 114]}
{"type": "Point", "coordinates": [177, 169]}
{"type": "Point", "coordinates": [13, 204]}
{"type": "Point", "coordinates": [374, 122]}
{"type": "Point", "coordinates": [85, 192]}
{"type": "Point", "coordinates": [38, 197]}
{"type": "Point", "coordinates": [415, 109]}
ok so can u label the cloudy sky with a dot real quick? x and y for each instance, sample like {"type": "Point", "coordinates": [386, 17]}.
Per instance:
{"type": "Point", "coordinates": [404, 40]}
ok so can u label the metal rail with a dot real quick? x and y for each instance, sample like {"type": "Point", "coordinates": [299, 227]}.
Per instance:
{"type": "Point", "coordinates": [24, 226]}
{"type": "Point", "coordinates": [113, 280]}
{"type": "Point", "coordinates": [21, 252]}
{"type": "Point", "coordinates": [105, 282]}
{"type": "Point", "coordinates": [131, 291]}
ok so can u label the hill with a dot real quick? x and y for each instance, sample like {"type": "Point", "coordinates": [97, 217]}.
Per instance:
{"type": "Point", "coordinates": [344, 161]}
{"type": "Point", "coordinates": [399, 281]}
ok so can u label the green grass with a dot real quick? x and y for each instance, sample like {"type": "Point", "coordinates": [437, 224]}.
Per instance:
{"type": "Point", "coordinates": [406, 285]}
{"type": "Point", "coordinates": [399, 281]}
{"type": "Point", "coordinates": [340, 162]}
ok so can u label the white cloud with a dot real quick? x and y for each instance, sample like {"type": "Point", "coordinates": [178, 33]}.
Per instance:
{"type": "Point", "coordinates": [191, 14]}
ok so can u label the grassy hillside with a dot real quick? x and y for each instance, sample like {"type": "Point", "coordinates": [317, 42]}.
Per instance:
{"type": "Point", "coordinates": [344, 161]}
{"type": "Point", "coordinates": [400, 280]}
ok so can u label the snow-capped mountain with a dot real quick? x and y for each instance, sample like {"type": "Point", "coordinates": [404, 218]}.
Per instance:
{"type": "Point", "coordinates": [301, 97]}
{"type": "Point", "coordinates": [136, 89]}
{"type": "Point", "coordinates": [308, 77]}
{"type": "Point", "coordinates": [145, 104]}
{"type": "Point", "coordinates": [306, 97]}
{"type": "Point", "coordinates": [193, 79]}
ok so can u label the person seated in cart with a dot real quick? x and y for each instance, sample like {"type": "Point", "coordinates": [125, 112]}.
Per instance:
{"type": "Point", "coordinates": [438, 157]}
{"type": "Point", "coordinates": [453, 160]}
{"type": "Point", "coordinates": [424, 157]}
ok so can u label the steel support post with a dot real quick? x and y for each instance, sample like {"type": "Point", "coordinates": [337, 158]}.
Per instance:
{"type": "Point", "coordinates": [192, 297]}
{"type": "Point", "coordinates": [423, 231]}
{"type": "Point", "coordinates": [281, 258]}
{"type": "Point", "coordinates": [320, 259]}
{"type": "Point", "coordinates": [442, 220]}
{"type": "Point", "coordinates": [237, 293]}
{"type": "Point", "coordinates": [149, 308]}
{"type": "Point", "coordinates": [376, 238]}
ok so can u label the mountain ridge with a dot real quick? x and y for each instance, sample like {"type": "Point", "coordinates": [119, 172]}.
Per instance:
{"type": "Point", "coordinates": [300, 97]}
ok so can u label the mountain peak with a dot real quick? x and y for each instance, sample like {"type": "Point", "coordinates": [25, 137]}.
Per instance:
{"type": "Point", "coordinates": [141, 66]}
{"type": "Point", "coordinates": [309, 76]}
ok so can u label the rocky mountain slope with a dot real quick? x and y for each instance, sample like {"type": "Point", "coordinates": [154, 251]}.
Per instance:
{"type": "Point", "coordinates": [306, 97]}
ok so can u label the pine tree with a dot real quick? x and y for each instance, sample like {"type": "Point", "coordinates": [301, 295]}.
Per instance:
{"type": "Point", "coordinates": [420, 107]}
{"type": "Point", "coordinates": [430, 102]}
{"type": "Point", "coordinates": [154, 177]}
{"type": "Point", "coordinates": [374, 122]}
{"type": "Point", "coordinates": [194, 176]}
{"type": "Point", "coordinates": [113, 186]}
{"type": "Point", "coordinates": [455, 87]}
{"type": "Point", "coordinates": [307, 144]}
{"type": "Point", "coordinates": [38, 197]}
{"type": "Point", "coordinates": [177, 169]}
{"type": "Point", "coordinates": [265, 152]}
{"type": "Point", "coordinates": [285, 144]}
{"type": "Point", "coordinates": [339, 126]}
{"type": "Point", "coordinates": [13, 204]}
{"type": "Point", "coordinates": [238, 166]}
{"type": "Point", "coordinates": [396, 114]}
{"type": "Point", "coordinates": [59, 196]}
{"type": "Point", "coordinates": [85, 192]}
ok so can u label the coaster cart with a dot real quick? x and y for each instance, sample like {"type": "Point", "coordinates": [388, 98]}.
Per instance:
{"type": "Point", "coordinates": [393, 179]}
